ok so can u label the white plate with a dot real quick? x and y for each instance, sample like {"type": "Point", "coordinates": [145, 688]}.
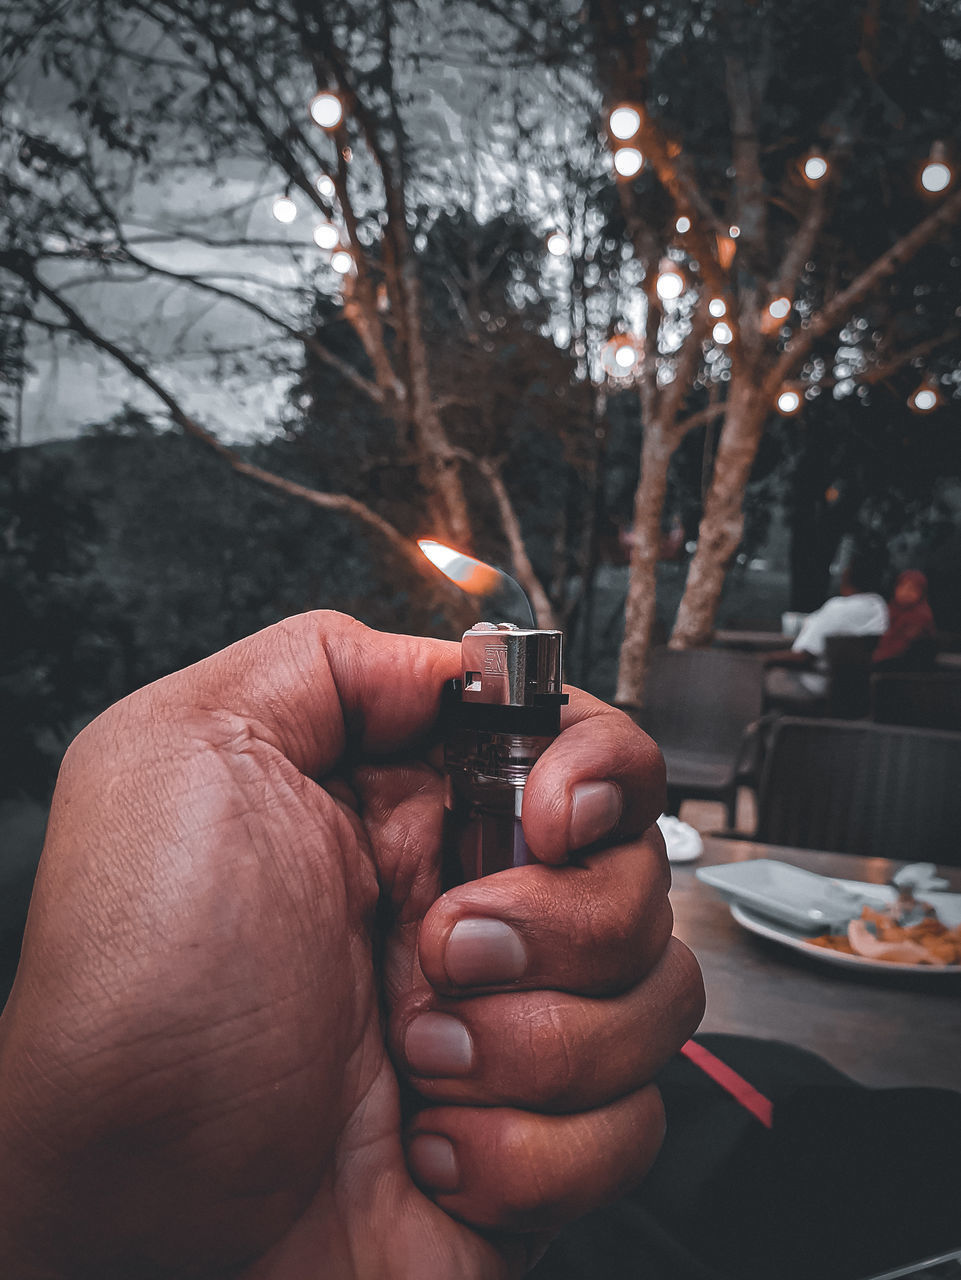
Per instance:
{"type": "Point", "coordinates": [800, 899]}
{"type": "Point", "coordinates": [947, 905]}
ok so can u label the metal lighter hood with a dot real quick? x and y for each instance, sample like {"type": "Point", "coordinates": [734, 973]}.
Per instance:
{"type": "Point", "coordinates": [510, 666]}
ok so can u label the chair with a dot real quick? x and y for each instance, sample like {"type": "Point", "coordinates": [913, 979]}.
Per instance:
{"type": "Point", "coordinates": [931, 699]}
{"type": "Point", "coordinates": [698, 705]}
{"type": "Point", "coordinates": [849, 675]}
{"type": "Point", "coordinates": [857, 787]}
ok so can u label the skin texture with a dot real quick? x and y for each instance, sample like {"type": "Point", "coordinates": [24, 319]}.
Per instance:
{"type": "Point", "coordinates": [205, 1062]}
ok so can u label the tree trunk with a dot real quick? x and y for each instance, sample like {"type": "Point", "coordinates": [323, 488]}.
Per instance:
{"type": "Point", "coordinates": [722, 523]}
{"type": "Point", "coordinates": [640, 605]}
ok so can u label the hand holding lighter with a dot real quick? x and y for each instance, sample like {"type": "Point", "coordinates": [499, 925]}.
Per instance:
{"type": "Point", "coordinates": [500, 717]}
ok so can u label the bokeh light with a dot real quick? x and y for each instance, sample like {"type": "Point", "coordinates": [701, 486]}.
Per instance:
{"type": "Point", "coordinates": [341, 261]}
{"type": "Point", "coordinates": [780, 308]}
{"type": "Point", "coordinates": [558, 244]}
{"type": "Point", "coordinates": [788, 402]}
{"type": "Point", "coordinates": [669, 284]}
{"type": "Point", "coordinates": [722, 333]}
{"type": "Point", "coordinates": [936, 176]}
{"type": "Point", "coordinates": [717, 307]}
{"type": "Point", "coordinates": [326, 235]}
{"type": "Point", "coordinates": [624, 122]}
{"type": "Point", "coordinates": [924, 399]}
{"type": "Point", "coordinates": [683, 224]}
{"type": "Point", "coordinates": [284, 209]}
{"type": "Point", "coordinates": [815, 168]}
{"type": "Point", "coordinates": [326, 109]}
{"type": "Point", "coordinates": [628, 161]}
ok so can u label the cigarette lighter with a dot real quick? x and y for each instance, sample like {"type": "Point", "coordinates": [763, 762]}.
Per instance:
{"type": "Point", "coordinates": [499, 718]}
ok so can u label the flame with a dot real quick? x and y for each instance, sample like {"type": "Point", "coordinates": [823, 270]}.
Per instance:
{"type": "Point", "coordinates": [473, 576]}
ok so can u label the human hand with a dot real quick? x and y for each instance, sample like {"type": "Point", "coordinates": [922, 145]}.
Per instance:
{"type": "Point", "coordinates": [194, 1079]}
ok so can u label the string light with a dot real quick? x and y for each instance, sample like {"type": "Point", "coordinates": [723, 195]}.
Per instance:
{"type": "Point", "coordinates": [284, 209]}
{"type": "Point", "coordinates": [558, 244]}
{"type": "Point", "coordinates": [717, 307]}
{"type": "Point", "coordinates": [780, 308]}
{"type": "Point", "coordinates": [326, 109]}
{"type": "Point", "coordinates": [669, 283]}
{"type": "Point", "coordinates": [628, 161]}
{"type": "Point", "coordinates": [326, 235]}
{"type": "Point", "coordinates": [341, 261]}
{"type": "Point", "coordinates": [788, 402]}
{"type": "Point", "coordinates": [621, 355]}
{"type": "Point", "coordinates": [325, 186]}
{"type": "Point", "coordinates": [624, 122]}
{"type": "Point", "coordinates": [722, 333]}
{"type": "Point", "coordinates": [925, 398]}
{"type": "Point", "coordinates": [683, 224]}
{"type": "Point", "coordinates": [936, 176]}
{"type": "Point", "coordinates": [815, 168]}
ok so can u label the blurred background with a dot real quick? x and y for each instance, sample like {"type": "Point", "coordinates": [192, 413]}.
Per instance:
{"type": "Point", "coordinates": [657, 306]}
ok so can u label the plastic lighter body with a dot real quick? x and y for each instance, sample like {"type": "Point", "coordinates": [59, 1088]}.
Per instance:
{"type": "Point", "coordinates": [500, 717]}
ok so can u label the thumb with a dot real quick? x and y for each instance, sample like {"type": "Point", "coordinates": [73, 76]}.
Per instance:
{"type": "Point", "coordinates": [318, 685]}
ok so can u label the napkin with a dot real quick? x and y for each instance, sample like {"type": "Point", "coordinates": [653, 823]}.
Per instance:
{"type": "Point", "coordinates": [683, 842]}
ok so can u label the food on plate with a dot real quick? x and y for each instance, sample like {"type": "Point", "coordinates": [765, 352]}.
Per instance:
{"type": "Point", "coordinates": [876, 935]}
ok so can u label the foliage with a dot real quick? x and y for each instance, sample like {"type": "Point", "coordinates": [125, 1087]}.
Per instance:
{"type": "Point", "coordinates": [55, 650]}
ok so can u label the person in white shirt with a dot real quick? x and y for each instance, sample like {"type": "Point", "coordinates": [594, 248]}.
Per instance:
{"type": "Point", "coordinates": [798, 676]}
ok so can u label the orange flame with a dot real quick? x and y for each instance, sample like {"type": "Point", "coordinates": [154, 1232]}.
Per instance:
{"type": "Point", "coordinates": [473, 576]}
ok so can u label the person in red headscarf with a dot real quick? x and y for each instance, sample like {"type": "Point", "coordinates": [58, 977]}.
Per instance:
{"type": "Point", "coordinates": [909, 643]}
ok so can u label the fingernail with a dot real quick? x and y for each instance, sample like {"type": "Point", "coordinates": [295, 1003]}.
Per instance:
{"type": "Point", "coordinates": [595, 811]}
{"type": "Point", "coordinates": [484, 952]}
{"type": "Point", "coordinates": [438, 1045]}
{"type": "Point", "coordinates": [432, 1161]}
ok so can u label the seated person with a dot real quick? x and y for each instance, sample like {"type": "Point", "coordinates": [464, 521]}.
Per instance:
{"type": "Point", "coordinates": [909, 642]}
{"type": "Point", "coordinates": [798, 680]}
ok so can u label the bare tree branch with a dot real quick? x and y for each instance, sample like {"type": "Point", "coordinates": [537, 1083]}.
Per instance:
{"type": "Point", "coordinates": [21, 266]}
{"type": "Point", "coordinates": [840, 306]}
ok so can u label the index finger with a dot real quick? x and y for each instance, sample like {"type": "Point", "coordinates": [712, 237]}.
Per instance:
{"type": "Point", "coordinates": [602, 778]}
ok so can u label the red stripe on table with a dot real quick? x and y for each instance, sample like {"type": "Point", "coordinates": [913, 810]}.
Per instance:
{"type": "Point", "coordinates": [740, 1089]}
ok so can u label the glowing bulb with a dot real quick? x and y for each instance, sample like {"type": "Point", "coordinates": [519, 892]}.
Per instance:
{"type": "Point", "coordinates": [722, 334]}
{"type": "Point", "coordinates": [717, 307]}
{"type": "Point", "coordinates": [628, 161]}
{"type": "Point", "coordinates": [780, 308]}
{"type": "Point", "coordinates": [620, 355]}
{"type": "Point", "coordinates": [935, 176]}
{"type": "Point", "coordinates": [284, 209]}
{"type": "Point", "coordinates": [558, 244]}
{"type": "Point", "coordinates": [341, 261]}
{"type": "Point", "coordinates": [670, 284]}
{"type": "Point", "coordinates": [326, 235]}
{"type": "Point", "coordinates": [815, 167]}
{"type": "Point", "coordinates": [625, 122]}
{"type": "Point", "coordinates": [683, 224]}
{"type": "Point", "coordinates": [925, 399]}
{"type": "Point", "coordinates": [788, 402]}
{"type": "Point", "coordinates": [734, 231]}
{"type": "Point", "coordinates": [326, 109]}
{"type": "Point", "coordinates": [326, 186]}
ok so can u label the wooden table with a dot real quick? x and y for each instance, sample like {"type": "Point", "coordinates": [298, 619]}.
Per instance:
{"type": "Point", "coordinates": [882, 1029]}
{"type": "Point", "coordinates": [752, 641]}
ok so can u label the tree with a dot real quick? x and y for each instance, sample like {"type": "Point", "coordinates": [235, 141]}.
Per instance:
{"type": "Point", "coordinates": [55, 652]}
{"type": "Point", "coordinates": [807, 260]}
{"type": "Point", "coordinates": [160, 89]}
